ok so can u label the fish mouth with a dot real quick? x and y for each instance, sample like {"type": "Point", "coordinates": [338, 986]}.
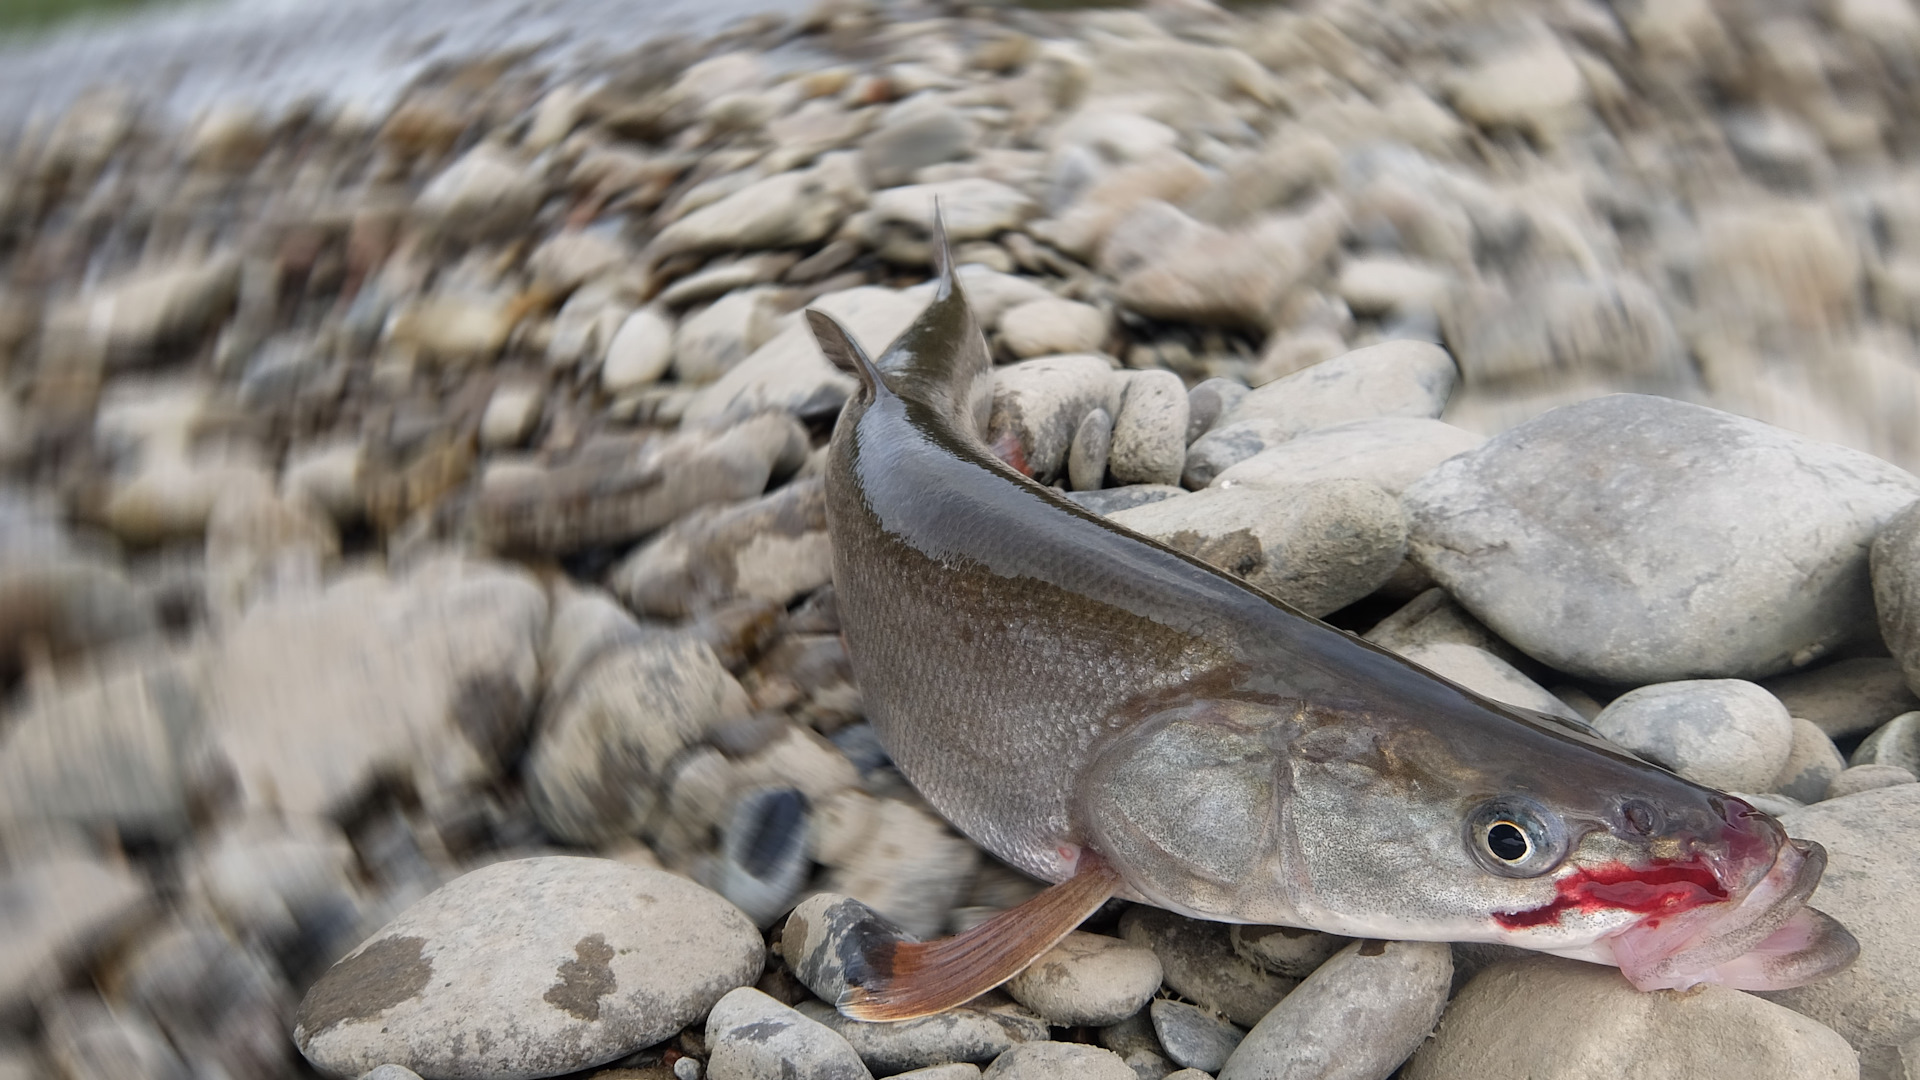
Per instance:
{"type": "Point", "coordinates": [1767, 940]}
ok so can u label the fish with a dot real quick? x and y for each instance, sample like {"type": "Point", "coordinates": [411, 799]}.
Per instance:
{"type": "Point", "coordinates": [1119, 719]}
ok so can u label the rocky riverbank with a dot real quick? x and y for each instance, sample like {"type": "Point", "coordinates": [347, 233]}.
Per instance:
{"type": "Point", "coordinates": [415, 616]}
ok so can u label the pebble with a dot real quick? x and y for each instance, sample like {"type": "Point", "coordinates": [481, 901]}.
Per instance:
{"type": "Point", "coordinates": [1554, 1019]}
{"type": "Point", "coordinates": [566, 260]}
{"type": "Point", "coordinates": [1318, 546]}
{"type": "Point", "coordinates": [170, 496]}
{"type": "Point", "coordinates": [1812, 763]}
{"type": "Point", "coordinates": [1859, 778]}
{"type": "Point", "coordinates": [789, 373]}
{"type": "Point", "coordinates": [1847, 697]}
{"type": "Point", "coordinates": [750, 1036]}
{"type": "Point", "coordinates": [639, 352]}
{"type": "Point", "coordinates": [1090, 451]}
{"type": "Point", "coordinates": [823, 935]}
{"type": "Point", "coordinates": [911, 868]}
{"type": "Point", "coordinates": [1873, 888]}
{"type": "Point", "coordinates": [1535, 87]}
{"type": "Point", "coordinates": [1722, 733]}
{"type": "Point", "coordinates": [1390, 452]}
{"type": "Point", "coordinates": [714, 339]}
{"type": "Point", "coordinates": [1384, 285]}
{"type": "Point", "coordinates": [86, 1038]}
{"type": "Point", "coordinates": [1052, 1060]}
{"type": "Point", "coordinates": [1047, 327]}
{"type": "Point", "coordinates": [485, 194]}
{"type": "Point", "coordinates": [266, 877]}
{"type": "Point", "coordinates": [1149, 434]}
{"type": "Point", "coordinates": [1896, 743]}
{"type": "Point", "coordinates": [1193, 1038]}
{"type": "Point", "coordinates": [1896, 589]}
{"type": "Point", "coordinates": [1081, 228]}
{"type": "Point", "coordinates": [1484, 673]}
{"type": "Point", "coordinates": [1112, 500]}
{"type": "Point", "coordinates": [763, 856]}
{"type": "Point", "coordinates": [977, 1033]}
{"type": "Point", "coordinates": [1362, 1013]}
{"type": "Point", "coordinates": [1208, 401]}
{"type": "Point", "coordinates": [310, 699]}
{"type": "Point", "coordinates": [620, 490]}
{"type": "Point", "coordinates": [1038, 406]}
{"type": "Point", "coordinates": [1208, 275]}
{"type": "Point", "coordinates": [60, 909]}
{"type": "Point", "coordinates": [1509, 530]}
{"type": "Point", "coordinates": [529, 968]}
{"type": "Point", "coordinates": [959, 1070]}
{"type": "Point", "coordinates": [789, 209]}
{"type": "Point", "coordinates": [144, 315]}
{"type": "Point", "coordinates": [900, 225]}
{"type": "Point", "coordinates": [774, 548]}
{"type": "Point", "coordinates": [992, 293]}
{"type": "Point", "coordinates": [916, 133]}
{"type": "Point", "coordinates": [722, 277]}
{"type": "Point", "coordinates": [1201, 966]}
{"type": "Point", "coordinates": [457, 329]}
{"type": "Point", "coordinates": [598, 767]}
{"type": "Point", "coordinates": [1285, 950]}
{"type": "Point", "coordinates": [1395, 378]}
{"type": "Point", "coordinates": [1088, 979]}
{"type": "Point", "coordinates": [511, 414]}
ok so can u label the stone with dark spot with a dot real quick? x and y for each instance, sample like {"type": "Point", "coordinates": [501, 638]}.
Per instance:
{"type": "Point", "coordinates": [1285, 950]}
{"type": "Point", "coordinates": [1088, 979]}
{"type": "Point", "coordinates": [826, 936]}
{"type": "Point", "coordinates": [1201, 966]}
{"type": "Point", "coordinates": [750, 1036]}
{"type": "Point", "coordinates": [529, 968]}
{"type": "Point", "coordinates": [1361, 1013]}
{"type": "Point", "coordinates": [1115, 499]}
{"type": "Point", "coordinates": [977, 1032]}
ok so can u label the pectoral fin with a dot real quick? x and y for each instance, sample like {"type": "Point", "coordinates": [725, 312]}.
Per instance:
{"type": "Point", "coordinates": [911, 979]}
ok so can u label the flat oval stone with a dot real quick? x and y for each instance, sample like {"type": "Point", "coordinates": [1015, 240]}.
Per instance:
{"type": "Point", "coordinates": [1088, 979]}
{"type": "Point", "coordinates": [1359, 1014]}
{"type": "Point", "coordinates": [529, 968]}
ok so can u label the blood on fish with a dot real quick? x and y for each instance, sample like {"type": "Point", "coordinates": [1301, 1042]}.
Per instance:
{"type": "Point", "coordinates": [1007, 449]}
{"type": "Point", "coordinates": [1663, 889]}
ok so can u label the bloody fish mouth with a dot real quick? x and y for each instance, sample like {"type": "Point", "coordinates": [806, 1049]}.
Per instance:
{"type": "Point", "coordinates": [1735, 914]}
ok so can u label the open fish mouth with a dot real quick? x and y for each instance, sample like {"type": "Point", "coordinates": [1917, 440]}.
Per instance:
{"type": "Point", "coordinates": [1767, 940]}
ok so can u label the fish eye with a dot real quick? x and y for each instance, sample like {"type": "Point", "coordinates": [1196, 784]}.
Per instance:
{"type": "Point", "coordinates": [1514, 836]}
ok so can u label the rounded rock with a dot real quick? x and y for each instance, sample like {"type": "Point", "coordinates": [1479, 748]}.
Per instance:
{"type": "Point", "coordinates": [1201, 966]}
{"type": "Point", "coordinates": [1368, 1009]}
{"type": "Point", "coordinates": [1722, 733]}
{"type": "Point", "coordinates": [1861, 778]}
{"type": "Point", "coordinates": [1896, 743]}
{"type": "Point", "coordinates": [750, 1036]}
{"type": "Point", "coordinates": [529, 968]}
{"type": "Point", "coordinates": [1286, 950]}
{"type": "Point", "coordinates": [1812, 763]}
{"type": "Point", "coordinates": [1053, 1060]}
{"type": "Point", "coordinates": [640, 352]}
{"type": "Point", "coordinates": [1046, 327]}
{"type": "Point", "coordinates": [1149, 435]}
{"type": "Point", "coordinates": [1088, 979]}
{"type": "Point", "coordinates": [1092, 449]}
{"type": "Point", "coordinates": [1847, 697]}
{"type": "Point", "coordinates": [1194, 1038]}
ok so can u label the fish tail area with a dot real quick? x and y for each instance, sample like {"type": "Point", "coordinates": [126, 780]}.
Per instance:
{"type": "Point", "coordinates": [845, 353]}
{"type": "Point", "coordinates": [911, 979]}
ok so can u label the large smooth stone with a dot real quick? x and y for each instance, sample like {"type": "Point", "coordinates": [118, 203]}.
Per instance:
{"type": "Point", "coordinates": [1637, 539]}
{"type": "Point", "coordinates": [529, 968]}
{"type": "Point", "coordinates": [1359, 1014]}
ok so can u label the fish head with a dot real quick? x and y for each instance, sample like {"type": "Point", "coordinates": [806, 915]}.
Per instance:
{"type": "Point", "coordinates": [1522, 833]}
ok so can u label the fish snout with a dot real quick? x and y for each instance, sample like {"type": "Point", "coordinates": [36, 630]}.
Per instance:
{"type": "Point", "coordinates": [1743, 845]}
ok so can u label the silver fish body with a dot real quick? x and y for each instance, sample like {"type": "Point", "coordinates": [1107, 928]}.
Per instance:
{"type": "Point", "coordinates": [1055, 684]}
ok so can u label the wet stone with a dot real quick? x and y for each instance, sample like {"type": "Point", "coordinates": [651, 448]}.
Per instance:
{"type": "Point", "coordinates": [1088, 455]}
{"type": "Point", "coordinates": [1088, 979]}
{"type": "Point", "coordinates": [977, 1032]}
{"type": "Point", "coordinates": [1038, 406]}
{"type": "Point", "coordinates": [824, 935]}
{"type": "Point", "coordinates": [530, 968]}
{"type": "Point", "coordinates": [1201, 966]}
{"type": "Point", "coordinates": [750, 1036]}
{"type": "Point", "coordinates": [1193, 1038]}
{"type": "Point", "coordinates": [1361, 1013]}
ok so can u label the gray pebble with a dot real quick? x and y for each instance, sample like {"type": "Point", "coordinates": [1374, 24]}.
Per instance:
{"type": "Point", "coordinates": [958, 1070]}
{"type": "Point", "coordinates": [1091, 451]}
{"type": "Point", "coordinates": [750, 1036]}
{"type": "Point", "coordinates": [1149, 435]}
{"type": "Point", "coordinates": [1038, 406]}
{"type": "Point", "coordinates": [1859, 778]}
{"type": "Point", "coordinates": [1896, 590]}
{"type": "Point", "coordinates": [774, 548]}
{"type": "Point", "coordinates": [1846, 697]}
{"type": "Point", "coordinates": [1584, 536]}
{"type": "Point", "coordinates": [1391, 451]}
{"type": "Point", "coordinates": [1723, 733]}
{"type": "Point", "coordinates": [529, 968]}
{"type": "Point", "coordinates": [391, 1072]}
{"type": "Point", "coordinates": [1360, 1014]}
{"type": "Point", "coordinates": [1115, 499]}
{"type": "Point", "coordinates": [1484, 673]}
{"type": "Point", "coordinates": [1208, 402]}
{"type": "Point", "coordinates": [1896, 742]}
{"type": "Point", "coordinates": [1285, 950]}
{"type": "Point", "coordinates": [59, 910]}
{"type": "Point", "coordinates": [1052, 1061]}
{"type": "Point", "coordinates": [1201, 966]}
{"type": "Point", "coordinates": [763, 855]}
{"type": "Point", "coordinates": [915, 134]}
{"type": "Point", "coordinates": [824, 935]}
{"type": "Point", "coordinates": [976, 1032]}
{"type": "Point", "coordinates": [1192, 1036]}
{"type": "Point", "coordinates": [1811, 765]}
{"type": "Point", "coordinates": [1088, 979]}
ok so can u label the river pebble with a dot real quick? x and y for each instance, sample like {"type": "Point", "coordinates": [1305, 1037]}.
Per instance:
{"type": "Point", "coordinates": [1722, 733]}
{"type": "Point", "coordinates": [750, 1036]}
{"type": "Point", "coordinates": [1049, 1060]}
{"type": "Point", "coordinates": [977, 1032]}
{"type": "Point", "coordinates": [1088, 979]}
{"type": "Point", "coordinates": [1812, 763]}
{"type": "Point", "coordinates": [1193, 1038]}
{"type": "Point", "coordinates": [1090, 452]}
{"type": "Point", "coordinates": [1500, 526]}
{"type": "Point", "coordinates": [1038, 406]}
{"type": "Point", "coordinates": [1201, 966]}
{"type": "Point", "coordinates": [530, 968]}
{"type": "Point", "coordinates": [1858, 778]}
{"type": "Point", "coordinates": [1361, 1013]}
{"type": "Point", "coordinates": [1047, 327]}
{"type": "Point", "coordinates": [1846, 697]}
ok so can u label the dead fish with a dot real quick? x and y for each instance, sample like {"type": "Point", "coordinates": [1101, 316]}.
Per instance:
{"type": "Point", "coordinates": [1116, 717]}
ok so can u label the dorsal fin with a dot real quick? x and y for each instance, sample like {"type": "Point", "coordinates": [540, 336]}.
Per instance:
{"type": "Point", "coordinates": [845, 353]}
{"type": "Point", "coordinates": [942, 254]}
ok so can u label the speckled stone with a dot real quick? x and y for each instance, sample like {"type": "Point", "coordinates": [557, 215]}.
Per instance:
{"type": "Point", "coordinates": [1088, 979]}
{"type": "Point", "coordinates": [529, 968]}
{"type": "Point", "coordinates": [750, 1036]}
